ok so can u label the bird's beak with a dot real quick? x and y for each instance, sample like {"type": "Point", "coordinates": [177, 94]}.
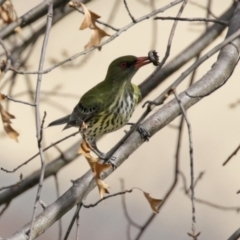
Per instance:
{"type": "Point", "coordinates": [141, 61]}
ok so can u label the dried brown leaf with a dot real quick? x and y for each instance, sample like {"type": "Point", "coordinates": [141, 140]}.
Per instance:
{"type": "Point", "coordinates": [96, 37]}
{"type": "Point", "coordinates": [102, 187]}
{"type": "Point", "coordinates": [99, 168]}
{"type": "Point", "coordinates": [96, 168]}
{"type": "Point", "coordinates": [154, 203]}
{"type": "Point", "coordinates": [7, 12]}
{"type": "Point", "coordinates": [89, 18]}
{"type": "Point", "coordinates": [11, 132]}
{"type": "Point", "coordinates": [6, 116]}
{"type": "Point", "coordinates": [6, 119]}
{"type": "Point", "coordinates": [85, 150]}
{"type": "Point", "coordinates": [2, 97]}
{"type": "Point", "coordinates": [89, 21]}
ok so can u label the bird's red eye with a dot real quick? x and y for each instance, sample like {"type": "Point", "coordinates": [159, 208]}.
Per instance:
{"type": "Point", "coordinates": [123, 64]}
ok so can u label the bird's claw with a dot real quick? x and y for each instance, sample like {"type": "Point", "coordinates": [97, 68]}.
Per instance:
{"type": "Point", "coordinates": [144, 134]}
{"type": "Point", "coordinates": [112, 162]}
{"type": "Point", "coordinates": [150, 103]}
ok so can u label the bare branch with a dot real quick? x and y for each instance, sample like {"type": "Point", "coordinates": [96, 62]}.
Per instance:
{"type": "Point", "coordinates": [30, 159]}
{"type": "Point", "coordinates": [30, 17]}
{"type": "Point", "coordinates": [112, 37]}
{"type": "Point", "coordinates": [39, 126]}
{"type": "Point", "coordinates": [71, 153]}
{"type": "Point", "coordinates": [232, 154]}
{"type": "Point", "coordinates": [13, 185]}
{"type": "Point", "coordinates": [192, 20]}
{"type": "Point", "coordinates": [159, 75]}
{"type": "Point", "coordinates": [58, 195]}
{"type": "Point", "coordinates": [130, 221]}
{"type": "Point", "coordinates": [205, 202]}
{"type": "Point", "coordinates": [129, 13]}
{"type": "Point", "coordinates": [191, 161]}
{"type": "Point", "coordinates": [19, 101]}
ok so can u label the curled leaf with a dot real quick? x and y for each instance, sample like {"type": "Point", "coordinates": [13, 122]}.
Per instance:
{"type": "Point", "coordinates": [96, 37]}
{"type": "Point", "coordinates": [89, 21]}
{"type": "Point", "coordinates": [154, 203]}
{"type": "Point", "coordinates": [89, 18]}
{"type": "Point", "coordinates": [6, 120]}
{"type": "Point", "coordinates": [99, 168]}
{"type": "Point", "coordinates": [102, 187]}
{"type": "Point", "coordinates": [96, 167]}
{"type": "Point", "coordinates": [11, 132]}
{"type": "Point", "coordinates": [7, 12]}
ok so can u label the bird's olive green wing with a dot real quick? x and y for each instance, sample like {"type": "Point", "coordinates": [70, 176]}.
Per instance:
{"type": "Point", "coordinates": [87, 108]}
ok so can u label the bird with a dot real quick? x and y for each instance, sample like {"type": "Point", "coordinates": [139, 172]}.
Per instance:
{"type": "Point", "coordinates": [109, 105]}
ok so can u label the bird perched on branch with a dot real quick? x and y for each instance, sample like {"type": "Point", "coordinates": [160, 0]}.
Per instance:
{"type": "Point", "coordinates": [109, 105]}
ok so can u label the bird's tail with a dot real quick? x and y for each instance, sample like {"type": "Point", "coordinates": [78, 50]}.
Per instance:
{"type": "Point", "coordinates": [59, 121]}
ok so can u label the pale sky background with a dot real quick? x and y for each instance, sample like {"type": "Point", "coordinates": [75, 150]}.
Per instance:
{"type": "Point", "coordinates": [215, 129]}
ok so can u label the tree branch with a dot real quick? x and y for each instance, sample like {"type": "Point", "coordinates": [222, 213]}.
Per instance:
{"type": "Point", "coordinates": [220, 71]}
{"type": "Point", "coordinates": [149, 84]}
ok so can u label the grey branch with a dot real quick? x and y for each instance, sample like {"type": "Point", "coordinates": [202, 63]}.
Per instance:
{"type": "Point", "coordinates": [39, 127]}
{"type": "Point", "coordinates": [157, 78]}
{"type": "Point", "coordinates": [192, 20]}
{"type": "Point", "coordinates": [215, 77]}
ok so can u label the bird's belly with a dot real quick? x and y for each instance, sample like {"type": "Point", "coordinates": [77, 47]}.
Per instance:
{"type": "Point", "coordinates": [116, 117]}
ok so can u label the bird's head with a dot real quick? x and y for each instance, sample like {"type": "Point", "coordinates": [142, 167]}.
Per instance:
{"type": "Point", "coordinates": [124, 68]}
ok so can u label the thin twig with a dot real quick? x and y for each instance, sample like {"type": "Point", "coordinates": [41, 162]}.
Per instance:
{"type": "Point", "coordinates": [149, 109]}
{"type": "Point", "coordinates": [18, 184]}
{"type": "Point", "coordinates": [208, 12]}
{"type": "Point", "coordinates": [106, 197]}
{"type": "Point", "coordinates": [19, 101]}
{"type": "Point", "coordinates": [46, 148]}
{"type": "Point", "coordinates": [4, 208]}
{"type": "Point", "coordinates": [170, 39]}
{"type": "Point", "coordinates": [161, 98]}
{"type": "Point", "coordinates": [78, 227]}
{"type": "Point", "coordinates": [191, 159]}
{"type": "Point", "coordinates": [79, 206]}
{"type": "Point", "coordinates": [232, 154]}
{"type": "Point", "coordinates": [129, 13]}
{"type": "Point", "coordinates": [205, 202]}
{"type": "Point", "coordinates": [181, 124]}
{"type": "Point", "coordinates": [176, 167]}
{"type": "Point", "coordinates": [111, 38]}
{"type": "Point", "coordinates": [193, 20]}
{"type": "Point", "coordinates": [58, 195]}
{"type": "Point", "coordinates": [130, 221]}
{"type": "Point", "coordinates": [39, 126]}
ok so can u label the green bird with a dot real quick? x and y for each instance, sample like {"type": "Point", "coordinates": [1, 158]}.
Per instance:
{"type": "Point", "coordinates": [109, 105]}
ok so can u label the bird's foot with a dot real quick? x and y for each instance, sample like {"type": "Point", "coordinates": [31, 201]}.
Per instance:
{"type": "Point", "coordinates": [150, 103]}
{"type": "Point", "coordinates": [111, 161]}
{"type": "Point", "coordinates": [144, 134]}
{"type": "Point", "coordinates": [108, 160]}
